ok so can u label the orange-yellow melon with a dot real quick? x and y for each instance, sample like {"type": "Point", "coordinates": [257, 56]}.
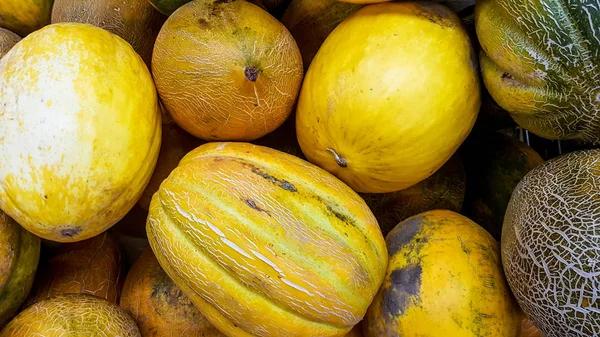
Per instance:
{"type": "Point", "coordinates": [226, 70]}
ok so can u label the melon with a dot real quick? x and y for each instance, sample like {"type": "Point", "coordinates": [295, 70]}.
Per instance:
{"type": "Point", "coordinates": [266, 244]}
{"type": "Point", "coordinates": [528, 329]}
{"type": "Point", "coordinates": [550, 244]}
{"type": "Point", "coordinates": [136, 21]}
{"type": "Point", "coordinates": [158, 306]}
{"type": "Point", "coordinates": [94, 266]}
{"type": "Point", "coordinates": [176, 143]}
{"type": "Point", "coordinates": [7, 40]}
{"type": "Point", "coordinates": [167, 7]}
{"type": "Point", "coordinates": [71, 176]}
{"type": "Point", "coordinates": [445, 189]}
{"type": "Point", "coordinates": [25, 16]}
{"type": "Point", "coordinates": [495, 166]}
{"type": "Point", "coordinates": [19, 256]}
{"type": "Point", "coordinates": [226, 70]}
{"type": "Point", "coordinates": [394, 106]}
{"type": "Point", "coordinates": [72, 315]}
{"type": "Point", "coordinates": [538, 61]}
{"type": "Point", "coordinates": [311, 21]}
{"type": "Point", "coordinates": [444, 278]}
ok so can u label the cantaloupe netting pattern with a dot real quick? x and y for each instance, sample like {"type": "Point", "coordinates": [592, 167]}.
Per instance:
{"type": "Point", "coordinates": [551, 245]}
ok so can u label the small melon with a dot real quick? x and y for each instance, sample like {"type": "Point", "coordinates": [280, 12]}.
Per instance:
{"type": "Point", "coordinates": [311, 21]}
{"type": "Point", "coordinates": [25, 16]}
{"type": "Point", "coordinates": [7, 40]}
{"type": "Point", "coordinates": [136, 21]}
{"type": "Point", "coordinates": [19, 257]}
{"type": "Point", "coordinates": [445, 189]}
{"type": "Point", "coordinates": [158, 306]}
{"type": "Point", "coordinates": [495, 166]}
{"type": "Point", "coordinates": [93, 266]}
{"type": "Point", "coordinates": [72, 315]}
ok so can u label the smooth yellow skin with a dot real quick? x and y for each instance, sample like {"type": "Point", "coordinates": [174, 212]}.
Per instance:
{"type": "Point", "coordinates": [444, 278]}
{"type": "Point", "coordinates": [266, 244]}
{"type": "Point", "coordinates": [25, 16]}
{"type": "Point", "coordinates": [393, 91]}
{"type": "Point", "coordinates": [81, 131]}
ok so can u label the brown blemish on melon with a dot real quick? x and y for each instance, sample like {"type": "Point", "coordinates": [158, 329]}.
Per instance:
{"type": "Point", "coordinates": [70, 232]}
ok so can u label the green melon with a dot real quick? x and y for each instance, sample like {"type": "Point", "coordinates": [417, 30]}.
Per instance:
{"type": "Point", "coordinates": [445, 189]}
{"type": "Point", "coordinates": [551, 245]}
{"type": "Point", "coordinates": [540, 61]}
{"type": "Point", "coordinates": [495, 165]}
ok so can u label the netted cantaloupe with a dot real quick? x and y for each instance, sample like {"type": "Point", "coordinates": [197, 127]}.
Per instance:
{"type": "Point", "coordinates": [94, 266]}
{"type": "Point", "coordinates": [266, 244]}
{"type": "Point", "coordinates": [158, 306]}
{"type": "Point", "coordinates": [19, 256]}
{"type": "Point", "coordinates": [136, 21]}
{"type": "Point", "coordinates": [72, 315]}
{"type": "Point", "coordinates": [7, 40]}
{"type": "Point", "coordinates": [25, 16]}
{"type": "Point", "coordinates": [550, 245]}
{"type": "Point", "coordinates": [80, 128]}
{"type": "Point", "coordinates": [226, 70]}
{"type": "Point", "coordinates": [384, 108]}
{"type": "Point", "coordinates": [444, 278]}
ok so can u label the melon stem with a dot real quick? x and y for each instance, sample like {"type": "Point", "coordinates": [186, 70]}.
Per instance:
{"type": "Point", "coordinates": [341, 161]}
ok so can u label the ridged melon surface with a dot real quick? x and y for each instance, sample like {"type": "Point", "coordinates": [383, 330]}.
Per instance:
{"type": "Point", "coordinates": [266, 244]}
{"type": "Point", "coordinates": [540, 63]}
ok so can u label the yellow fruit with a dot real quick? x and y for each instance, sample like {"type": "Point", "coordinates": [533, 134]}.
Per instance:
{"type": "Point", "coordinates": [226, 70]}
{"type": "Point", "coordinates": [25, 16]}
{"type": "Point", "coordinates": [80, 130]}
{"type": "Point", "coordinates": [390, 96]}
{"type": "Point", "coordinates": [19, 256]}
{"type": "Point", "coordinates": [72, 315]}
{"type": "Point", "coordinates": [136, 21]}
{"type": "Point", "coordinates": [266, 244]}
{"type": "Point", "coordinates": [7, 40]}
{"type": "Point", "coordinates": [159, 308]}
{"type": "Point", "coordinates": [445, 279]}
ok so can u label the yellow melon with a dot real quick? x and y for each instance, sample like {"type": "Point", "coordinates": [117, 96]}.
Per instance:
{"type": "Point", "coordinates": [80, 128]}
{"type": "Point", "coordinates": [266, 244]}
{"type": "Point", "coordinates": [384, 108]}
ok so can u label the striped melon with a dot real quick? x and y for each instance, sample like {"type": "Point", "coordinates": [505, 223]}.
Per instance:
{"type": "Point", "coordinates": [266, 244]}
{"type": "Point", "coordinates": [540, 63]}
